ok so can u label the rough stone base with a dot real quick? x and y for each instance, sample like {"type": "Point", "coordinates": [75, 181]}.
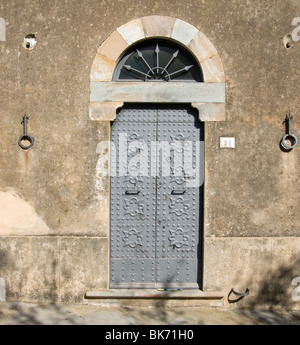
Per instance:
{"type": "Point", "coordinates": [76, 270]}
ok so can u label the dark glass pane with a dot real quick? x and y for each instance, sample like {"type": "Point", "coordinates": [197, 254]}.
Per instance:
{"type": "Point", "coordinates": [158, 60]}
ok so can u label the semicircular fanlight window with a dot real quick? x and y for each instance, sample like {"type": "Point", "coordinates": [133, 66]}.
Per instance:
{"type": "Point", "coordinates": [158, 60]}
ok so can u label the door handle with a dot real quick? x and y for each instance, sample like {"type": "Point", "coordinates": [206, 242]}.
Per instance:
{"type": "Point", "coordinates": [132, 192]}
{"type": "Point", "coordinates": [177, 192]}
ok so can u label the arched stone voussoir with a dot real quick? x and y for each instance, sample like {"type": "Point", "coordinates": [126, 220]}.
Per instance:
{"type": "Point", "coordinates": [113, 46]}
{"type": "Point", "coordinates": [158, 26]}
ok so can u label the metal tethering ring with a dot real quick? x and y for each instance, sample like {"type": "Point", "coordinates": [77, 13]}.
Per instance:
{"type": "Point", "coordinates": [289, 137]}
{"type": "Point", "coordinates": [26, 137]}
{"type": "Point", "coordinates": [240, 295]}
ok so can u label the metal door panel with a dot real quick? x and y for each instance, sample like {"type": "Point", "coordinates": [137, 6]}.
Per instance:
{"type": "Point", "coordinates": [155, 218]}
{"type": "Point", "coordinates": [132, 204]}
{"type": "Point", "coordinates": [176, 113]}
{"type": "Point", "coordinates": [178, 206]}
{"type": "Point", "coordinates": [133, 273]}
{"type": "Point", "coordinates": [137, 113]}
{"type": "Point", "coordinates": [177, 273]}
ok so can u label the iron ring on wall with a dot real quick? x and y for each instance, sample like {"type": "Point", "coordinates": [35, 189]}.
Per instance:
{"type": "Point", "coordinates": [26, 137]}
{"type": "Point", "coordinates": [290, 137]}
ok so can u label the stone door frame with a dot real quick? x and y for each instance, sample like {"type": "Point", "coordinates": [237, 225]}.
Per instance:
{"type": "Point", "coordinates": [107, 95]}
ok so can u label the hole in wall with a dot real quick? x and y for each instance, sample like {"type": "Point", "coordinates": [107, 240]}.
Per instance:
{"type": "Point", "coordinates": [288, 41]}
{"type": "Point", "coordinates": [29, 42]}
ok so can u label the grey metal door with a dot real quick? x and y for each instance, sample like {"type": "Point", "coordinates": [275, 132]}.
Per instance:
{"type": "Point", "coordinates": [156, 197]}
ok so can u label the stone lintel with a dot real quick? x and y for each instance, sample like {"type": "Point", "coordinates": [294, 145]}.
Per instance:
{"type": "Point", "coordinates": [157, 92]}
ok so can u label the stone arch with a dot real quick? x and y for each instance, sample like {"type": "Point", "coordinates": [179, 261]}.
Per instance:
{"type": "Point", "coordinates": [106, 96]}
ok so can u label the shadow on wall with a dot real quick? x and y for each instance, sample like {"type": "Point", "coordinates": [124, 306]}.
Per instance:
{"type": "Point", "coordinates": [275, 290]}
{"type": "Point", "coordinates": [276, 299]}
{"type": "Point", "coordinates": [19, 313]}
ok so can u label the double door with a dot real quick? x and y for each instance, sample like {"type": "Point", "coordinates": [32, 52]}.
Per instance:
{"type": "Point", "coordinates": [156, 197]}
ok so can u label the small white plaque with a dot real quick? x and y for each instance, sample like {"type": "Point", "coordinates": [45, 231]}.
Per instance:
{"type": "Point", "coordinates": [227, 143]}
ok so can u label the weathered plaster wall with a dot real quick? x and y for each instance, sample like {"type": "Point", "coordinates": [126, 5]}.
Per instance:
{"type": "Point", "coordinates": [252, 212]}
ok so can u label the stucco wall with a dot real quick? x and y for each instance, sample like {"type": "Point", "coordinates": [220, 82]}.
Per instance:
{"type": "Point", "coordinates": [54, 215]}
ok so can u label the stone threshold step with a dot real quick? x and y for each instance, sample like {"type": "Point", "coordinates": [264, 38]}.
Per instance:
{"type": "Point", "coordinates": [152, 294]}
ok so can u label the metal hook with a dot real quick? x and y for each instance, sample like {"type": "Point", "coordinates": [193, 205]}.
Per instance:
{"type": "Point", "coordinates": [25, 136]}
{"type": "Point", "coordinates": [240, 295]}
{"type": "Point", "coordinates": [289, 137]}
